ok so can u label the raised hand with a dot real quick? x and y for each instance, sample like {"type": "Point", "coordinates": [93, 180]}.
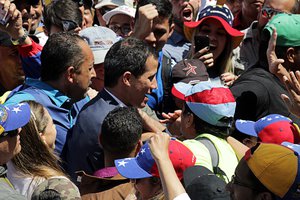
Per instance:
{"type": "Point", "coordinates": [228, 78]}
{"type": "Point", "coordinates": [144, 23]}
{"type": "Point", "coordinates": [293, 87]}
{"type": "Point", "coordinates": [275, 64]}
{"type": "Point", "coordinates": [205, 56]}
{"type": "Point", "coordinates": [173, 121]}
{"type": "Point", "coordinates": [159, 145]}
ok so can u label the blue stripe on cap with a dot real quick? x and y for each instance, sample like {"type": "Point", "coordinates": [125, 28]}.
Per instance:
{"type": "Point", "coordinates": [213, 113]}
{"type": "Point", "coordinates": [269, 119]}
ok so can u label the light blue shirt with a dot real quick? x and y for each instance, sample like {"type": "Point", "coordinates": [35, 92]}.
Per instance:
{"type": "Point", "coordinates": [176, 47]}
{"type": "Point", "coordinates": [60, 106]}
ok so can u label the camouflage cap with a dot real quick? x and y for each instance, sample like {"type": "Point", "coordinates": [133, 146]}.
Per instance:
{"type": "Point", "coordinates": [63, 186]}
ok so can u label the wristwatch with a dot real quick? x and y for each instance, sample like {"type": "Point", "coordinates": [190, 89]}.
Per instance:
{"type": "Point", "coordinates": [21, 39]}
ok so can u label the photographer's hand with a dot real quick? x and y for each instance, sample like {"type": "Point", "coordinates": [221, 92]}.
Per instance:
{"type": "Point", "coordinates": [14, 24]}
{"type": "Point", "coordinates": [205, 56]}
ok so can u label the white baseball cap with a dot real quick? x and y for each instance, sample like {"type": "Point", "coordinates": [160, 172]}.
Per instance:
{"type": "Point", "coordinates": [100, 39]}
{"type": "Point", "coordinates": [117, 3]}
{"type": "Point", "coordinates": [125, 10]}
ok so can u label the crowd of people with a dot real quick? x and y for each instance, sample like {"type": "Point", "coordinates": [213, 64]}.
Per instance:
{"type": "Point", "coordinates": [149, 99]}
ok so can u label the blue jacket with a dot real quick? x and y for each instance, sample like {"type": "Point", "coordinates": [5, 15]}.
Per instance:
{"type": "Point", "coordinates": [156, 97]}
{"type": "Point", "coordinates": [60, 107]}
{"type": "Point", "coordinates": [82, 147]}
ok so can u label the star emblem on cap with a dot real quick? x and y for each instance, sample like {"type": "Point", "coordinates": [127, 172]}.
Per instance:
{"type": "Point", "coordinates": [264, 118]}
{"type": "Point", "coordinates": [143, 151]}
{"type": "Point", "coordinates": [16, 110]}
{"type": "Point", "coordinates": [122, 163]}
{"type": "Point", "coordinates": [21, 104]}
{"type": "Point", "coordinates": [190, 69]}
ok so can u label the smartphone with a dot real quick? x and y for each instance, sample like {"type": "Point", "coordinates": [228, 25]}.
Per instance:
{"type": "Point", "coordinates": [201, 42]}
{"type": "Point", "coordinates": [3, 16]}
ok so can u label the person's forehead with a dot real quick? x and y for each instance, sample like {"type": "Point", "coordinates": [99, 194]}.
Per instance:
{"type": "Point", "coordinates": [120, 18]}
{"type": "Point", "coordinates": [211, 23]}
{"type": "Point", "coordinates": [280, 5]}
{"type": "Point", "coordinates": [161, 22]}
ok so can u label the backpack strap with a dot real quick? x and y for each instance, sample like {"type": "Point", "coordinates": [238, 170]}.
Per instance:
{"type": "Point", "coordinates": [166, 71]}
{"type": "Point", "coordinates": [212, 150]}
{"type": "Point", "coordinates": [214, 155]}
{"type": "Point", "coordinates": [167, 103]}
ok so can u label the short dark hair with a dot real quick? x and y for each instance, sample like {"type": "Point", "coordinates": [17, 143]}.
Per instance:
{"type": "Point", "coordinates": [61, 51]}
{"type": "Point", "coordinates": [62, 13]}
{"type": "Point", "coordinates": [164, 8]}
{"type": "Point", "coordinates": [49, 194]}
{"type": "Point", "coordinates": [121, 130]}
{"type": "Point", "coordinates": [130, 55]}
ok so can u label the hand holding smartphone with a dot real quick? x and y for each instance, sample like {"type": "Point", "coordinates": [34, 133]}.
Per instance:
{"type": "Point", "coordinates": [201, 42]}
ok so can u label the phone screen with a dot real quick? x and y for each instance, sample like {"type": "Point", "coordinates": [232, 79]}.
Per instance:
{"type": "Point", "coordinates": [201, 42]}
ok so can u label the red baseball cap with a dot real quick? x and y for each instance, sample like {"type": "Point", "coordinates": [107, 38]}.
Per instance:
{"type": "Point", "coordinates": [220, 13]}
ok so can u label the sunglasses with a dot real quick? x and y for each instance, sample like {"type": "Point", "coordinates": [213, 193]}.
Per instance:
{"type": "Point", "coordinates": [11, 134]}
{"type": "Point", "coordinates": [68, 25]}
{"type": "Point", "coordinates": [269, 12]}
{"type": "Point", "coordinates": [125, 29]}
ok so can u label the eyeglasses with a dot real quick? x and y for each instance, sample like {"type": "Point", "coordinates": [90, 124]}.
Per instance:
{"type": "Point", "coordinates": [104, 10]}
{"type": "Point", "coordinates": [125, 29]}
{"type": "Point", "coordinates": [268, 12]}
{"type": "Point", "coordinates": [12, 133]}
{"type": "Point", "coordinates": [68, 25]}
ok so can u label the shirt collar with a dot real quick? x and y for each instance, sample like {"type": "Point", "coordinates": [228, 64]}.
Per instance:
{"type": "Point", "coordinates": [121, 104]}
{"type": "Point", "coordinates": [177, 37]}
{"type": "Point", "coordinates": [55, 95]}
{"type": "Point", "coordinates": [249, 32]}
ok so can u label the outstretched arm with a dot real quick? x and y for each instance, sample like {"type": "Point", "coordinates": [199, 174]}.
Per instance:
{"type": "Point", "coordinates": [172, 186]}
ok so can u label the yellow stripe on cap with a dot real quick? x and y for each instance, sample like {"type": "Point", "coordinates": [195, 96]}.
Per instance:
{"type": "Point", "coordinates": [1, 129]}
{"type": "Point", "coordinates": [275, 167]}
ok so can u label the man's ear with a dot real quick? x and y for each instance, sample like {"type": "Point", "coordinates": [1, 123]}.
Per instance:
{"type": "Point", "coordinates": [46, 31]}
{"type": "Point", "coordinates": [290, 54]}
{"type": "Point", "coordinates": [77, 30]}
{"type": "Point", "coordinates": [70, 74]}
{"type": "Point", "coordinates": [127, 78]}
{"type": "Point", "coordinates": [138, 147]}
{"type": "Point", "coordinates": [190, 120]}
{"type": "Point", "coordinates": [171, 30]}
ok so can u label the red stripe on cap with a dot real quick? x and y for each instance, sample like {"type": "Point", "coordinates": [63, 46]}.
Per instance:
{"type": "Point", "coordinates": [213, 96]}
{"type": "Point", "coordinates": [177, 93]}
